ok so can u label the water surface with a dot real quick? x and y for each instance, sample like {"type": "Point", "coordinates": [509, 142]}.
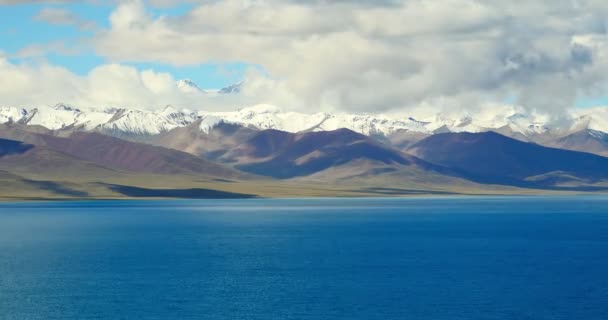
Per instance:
{"type": "Point", "coordinates": [429, 258]}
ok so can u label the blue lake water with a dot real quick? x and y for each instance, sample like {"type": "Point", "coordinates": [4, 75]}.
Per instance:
{"type": "Point", "coordinates": [429, 258]}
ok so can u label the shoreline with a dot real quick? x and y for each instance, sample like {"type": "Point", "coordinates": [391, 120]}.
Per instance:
{"type": "Point", "coordinates": [303, 197]}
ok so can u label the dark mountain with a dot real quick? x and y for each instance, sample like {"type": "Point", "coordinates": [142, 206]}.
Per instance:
{"type": "Point", "coordinates": [323, 157]}
{"type": "Point", "coordinates": [493, 158]}
{"type": "Point", "coordinates": [285, 155]}
{"type": "Point", "coordinates": [268, 143]}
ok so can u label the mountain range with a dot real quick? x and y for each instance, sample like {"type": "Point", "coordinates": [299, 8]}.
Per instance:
{"type": "Point", "coordinates": [585, 130]}
{"type": "Point", "coordinates": [67, 151]}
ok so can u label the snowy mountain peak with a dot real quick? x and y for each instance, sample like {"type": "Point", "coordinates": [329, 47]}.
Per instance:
{"type": "Point", "coordinates": [264, 116]}
{"type": "Point", "coordinates": [598, 135]}
{"type": "Point", "coordinates": [188, 86]}
{"type": "Point", "coordinates": [232, 89]}
{"type": "Point", "coordinates": [169, 109]}
{"type": "Point", "coordinates": [12, 114]}
{"type": "Point", "coordinates": [261, 109]}
{"type": "Point", "coordinates": [210, 122]}
{"type": "Point", "coordinates": [65, 107]}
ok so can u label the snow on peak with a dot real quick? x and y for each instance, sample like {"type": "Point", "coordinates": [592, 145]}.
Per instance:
{"type": "Point", "coordinates": [261, 109]}
{"type": "Point", "coordinates": [598, 134]}
{"type": "Point", "coordinates": [232, 89]}
{"type": "Point", "coordinates": [142, 122]}
{"type": "Point", "coordinates": [65, 107]}
{"type": "Point", "coordinates": [188, 86]}
{"type": "Point", "coordinates": [12, 114]}
{"type": "Point", "coordinates": [264, 116]}
{"type": "Point", "coordinates": [168, 110]}
{"type": "Point", "coordinates": [592, 119]}
{"type": "Point", "coordinates": [209, 122]}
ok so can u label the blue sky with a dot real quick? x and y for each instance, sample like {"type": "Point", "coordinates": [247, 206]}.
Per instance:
{"type": "Point", "coordinates": [20, 29]}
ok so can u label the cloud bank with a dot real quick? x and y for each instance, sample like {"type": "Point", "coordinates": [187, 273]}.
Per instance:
{"type": "Point", "coordinates": [110, 85]}
{"type": "Point", "coordinates": [370, 56]}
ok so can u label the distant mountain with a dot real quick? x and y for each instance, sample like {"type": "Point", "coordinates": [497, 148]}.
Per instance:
{"type": "Point", "coordinates": [188, 86]}
{"type": "Point", "coordinates": [133, 123]}
{"type": "Point", "coordinates": [323, 157]}
{"type": "Point", "coordinates": [10, 114]}
{"type": "Point", "coordinates": [403, 139]}
{"type": "Point", "coordinates": [64, 164]}
{"type": "Point", "coordinates": [586, 140]}
{"type": "Point", "coordinates": [40, 172]}
{"type": "Point", "coordinates": [192, 160]}
{"type": "Point", "coordinates": [207, 138]}
{"type": "Point", "coordinates": [232, 89]}
{"type": "Point", "coordinates": [493, 158]}
{"type": "Point", "coordinates": [111, 152]}
{"type": "Point", "coordinates": [264, 137]}
{"type": "Point", "coordinates": [286, 155]}
{"type": "Point", "coordinates": [45, 163]}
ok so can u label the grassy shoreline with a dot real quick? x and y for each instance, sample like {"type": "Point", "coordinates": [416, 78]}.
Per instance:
{"type": "Point", "coordinates": [532, 193]}
{"type": "Point", "coordinates": [32, 187]}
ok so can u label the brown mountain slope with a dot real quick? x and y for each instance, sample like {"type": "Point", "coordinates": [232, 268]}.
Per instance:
{"type": "Point", "coordinates": [339, 154]}
{"type": "Point", "coordinates": [39, 172]}
{"type": "Point", "coordinates": [213, 145]}
{"type": "Point", "coordinates": [493, 158]}
{"type": "Point", "coordinates": [323, 156]}
{"type": "Point", "coordinates": [40, 160]}
{"type": "Point", "coordinates": [402, 139]}
{"type": "Point", "coordinates": [124, 155]}
{"type": "Point", "coordinates": [590, 141]}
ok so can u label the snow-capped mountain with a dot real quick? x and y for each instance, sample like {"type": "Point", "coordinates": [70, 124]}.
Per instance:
{"type": "Point", "coordinates": [188, 86]}
{"type": "Point", "coordinates": [232, 89]}
{"type": "Point", "coordinates": [146, 122]}
{"type": "Point", "coordinates": [10, 114]}
{"type": "Point", "coordinates": [595, 119]}
{"type": "Point", "coordinates": [271, 117]}
{"type": "Point", "coordinates": [138, 122]}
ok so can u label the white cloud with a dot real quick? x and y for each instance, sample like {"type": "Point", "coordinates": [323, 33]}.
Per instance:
{"type": "Point", "coordinates": [372, 56]}
{"type": "Point", "coordinates": [354, 55]}
{"type": "Point", "coordinates": [111, 85]}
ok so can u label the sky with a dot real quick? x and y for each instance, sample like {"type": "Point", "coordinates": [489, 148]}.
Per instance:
{"type": "Point", "coordinates": [307, 55]}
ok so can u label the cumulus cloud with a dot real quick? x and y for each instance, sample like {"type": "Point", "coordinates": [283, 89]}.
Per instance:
{"type": "Point", "coordinates": [382, 55]}
{"type": "Point", "coordinates": [110, 85]}
{"type": "Point", "coordinates": [350, 55]}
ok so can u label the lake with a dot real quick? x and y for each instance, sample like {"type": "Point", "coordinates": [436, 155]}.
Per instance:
{"type": "Point", "coordinates": [423, 258]}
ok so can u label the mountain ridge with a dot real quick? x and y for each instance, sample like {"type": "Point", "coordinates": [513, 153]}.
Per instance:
{"type": "Point", "coordinates": [133, 121]}
{"type": "Point", "coordinates": [490, 157]}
